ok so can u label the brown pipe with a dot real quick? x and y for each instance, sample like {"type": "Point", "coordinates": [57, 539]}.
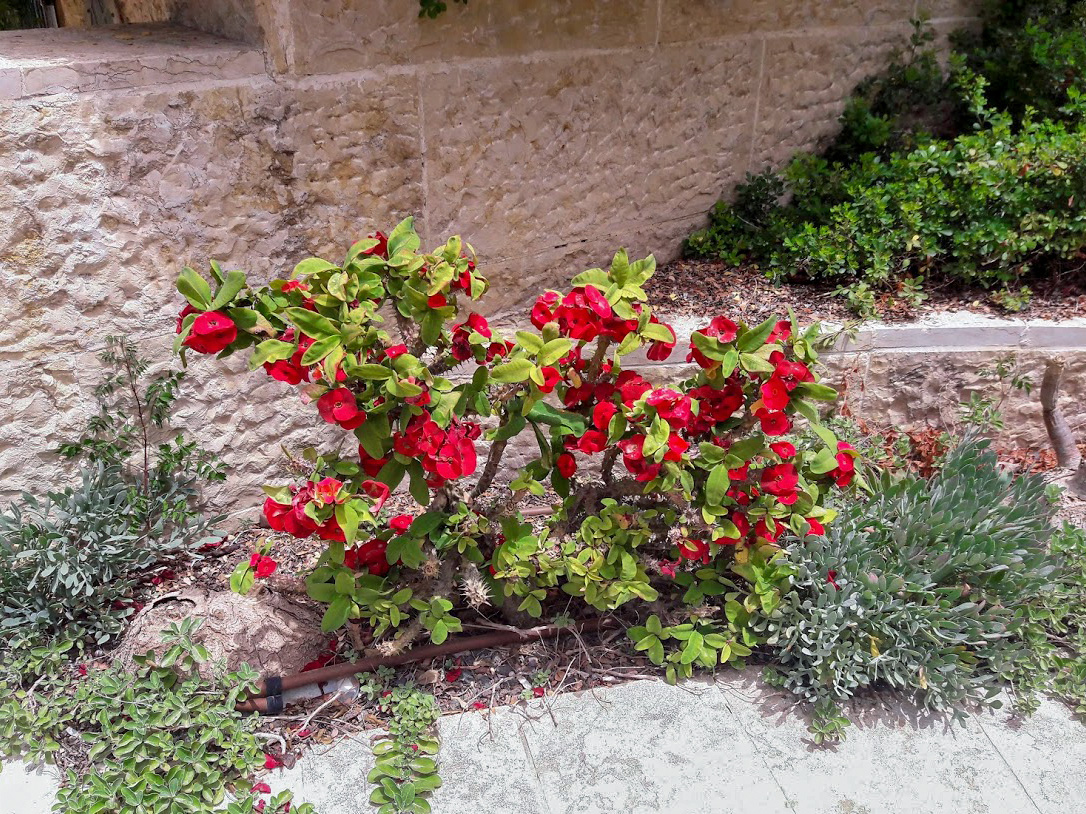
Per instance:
{"type": "Point", "coordinates": [274, 686]}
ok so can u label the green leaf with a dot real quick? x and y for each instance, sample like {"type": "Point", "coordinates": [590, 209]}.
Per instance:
{"type": "Point", "coordinates": [825, 461]}
{"type": "Point", "coordinates": [755, 364]}
{"type": "Point", "coordinates": [426, 523]}
{"type": "Point", "coordinates": [529, 341]}
{"type": "Point", "coordinates": [336, 615]}
{"type": "Point", "coordinates": [194, 288]}
{"type": "Point", "coordinates": [554, 350]}
{"type": "Point", "coordinates": [814, 390]}
{"type": "Point", "coordinates": [512, 427]}
{"type": "Point", "coordinates": [312, 265]}
{"type": "Point", "coordinates": [270, 350]}
{"type": "Point", "coordinates": [373, 372]}
{"type": "Point", "coordinates": [756, 337]}
{"type": "Point", "coordinates": [234, 282]}
{"type": "Point", "coordinates": [515, 371]}
{"type": "Point", "coordinates": [403, 238]}
{"type": "Point", "coordinates": [372, 434]}
{"type": "Point", "coordinates": [319, 349]}
{"type": "Point", "coordinates": [311, 323]}
{"type": "Point", "coordinates": [551, 416]}
{"type": "Point", "coordinates": [692, 649]}
{"type": "Point", "coordinates": [716, 486]}
{"type": "Point", "coordinates": [440, 633]}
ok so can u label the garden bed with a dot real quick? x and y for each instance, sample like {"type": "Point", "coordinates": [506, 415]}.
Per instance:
{"type": "Point", "coordinates": [697, 287]}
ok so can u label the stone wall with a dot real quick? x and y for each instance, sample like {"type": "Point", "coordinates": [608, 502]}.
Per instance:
{"type": "Point", "coordinates": [548, 134]}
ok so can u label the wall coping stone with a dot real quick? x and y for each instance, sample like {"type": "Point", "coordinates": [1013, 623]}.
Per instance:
{"type": "Point", "coordinates": [39, 62]}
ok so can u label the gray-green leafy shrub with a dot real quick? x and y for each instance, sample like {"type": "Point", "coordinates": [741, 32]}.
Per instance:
{"type": "Point", "coordinates": [69, 561]}
{"type": "Point", "coordinates": [916, 588]}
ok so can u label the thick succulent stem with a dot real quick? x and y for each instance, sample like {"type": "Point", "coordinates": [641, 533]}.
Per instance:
{"type": "Point", "coordinates": [1059, 433]}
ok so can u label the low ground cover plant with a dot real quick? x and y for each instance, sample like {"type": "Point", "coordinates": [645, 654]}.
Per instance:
{"type": "Point", "coordinates": [934, 173]}
{"type": "Point", "coordinates": [158, 738]}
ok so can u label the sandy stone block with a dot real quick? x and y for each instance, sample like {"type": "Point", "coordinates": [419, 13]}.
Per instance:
{"type": "Point", "coordinates": [344, 35]}
{"type": "Point", "coordinates": [688, 20]}
{"type": "Point", "coordinates": [570, 146]}
{"type": "Point", "coordinates": [11, 84]}
{"type": "Point", "coordinates": [806, 82]}
{"type": "Point", "coordinates": [950, 9]}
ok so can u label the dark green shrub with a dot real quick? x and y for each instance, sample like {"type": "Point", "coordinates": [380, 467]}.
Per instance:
{"type": "Point", "coordinates": [932, 173]}
{"type": "Point", "coordinates": [915, 589]}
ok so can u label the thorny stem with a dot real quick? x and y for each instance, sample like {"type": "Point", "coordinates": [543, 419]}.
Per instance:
{"type": "Point", "coordinates": [597, 360]}
{"type": "Point", "coordinates": [131, 376]}
{"type": "Point", "coordinates": [607, 468]}
{"type": "Point", "coordinates": [497, 450]}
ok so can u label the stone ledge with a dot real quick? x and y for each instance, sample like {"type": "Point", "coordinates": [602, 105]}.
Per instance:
{"type": "Point", "coordinates": [39, 62]}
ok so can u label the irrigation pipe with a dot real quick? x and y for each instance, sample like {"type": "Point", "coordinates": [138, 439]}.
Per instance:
{"type": "Point", "coordinates": [269, 695]}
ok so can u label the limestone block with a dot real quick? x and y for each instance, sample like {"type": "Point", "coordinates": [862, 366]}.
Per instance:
{"type": "Point", "coordinates": [806, 81]}
{"type": "Point", "coordinates": [330, 36]}
{"type": "Point", "coordinates": [949, 9]}
{"type": "Point", "coordinates": [572, 147]}
{"type": "Point", "coordinates": [687, 20]}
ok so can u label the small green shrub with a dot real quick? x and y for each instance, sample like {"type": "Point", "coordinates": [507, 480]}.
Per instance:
{"type": "Point", "coordinates": [1054, 631]}
{"type": "Point", "coordinates": [933, 173]}
{"type": "Point", "coordinates": [914, 589]}
{"type": "Point", "coordinates": [157, 739]}
{"type": "Point", "coordinates": [70, 561]}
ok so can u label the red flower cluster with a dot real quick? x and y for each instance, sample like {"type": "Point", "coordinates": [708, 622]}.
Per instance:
{"type": "Point", "coordinates": [368, 556]}
{"type": "Point", "coordinates": [675, 408]}
{"type": "Point", "coordinates": [211, 331]}
{"type": "Point", "coordinates": [716, 405]}
{"type": "Point", "coordinates": [262, 566]}
{"type": "Point", "coordinates": [292, 517]}
{"type": "Point", "coordinates": [447, 454]}
{"type": "Point", "coordinates": [719, 327]}
{"type": "Point", "coordinates": [584, 314]}
{"type": "Point", "coordinates": [461, 343]}
{"type": "Point", "coordinates": [291, 370]}
{"type": "Point", "coordinates": [694, 550]}
{"type": "Point", "coordinates": [643, 470]}
{"type": "Point", "coordinates": [339, 406]}
{"type": "Point", "coordinates": [846, 464]}
{"type": "Point", "coordinates": [780, 481]}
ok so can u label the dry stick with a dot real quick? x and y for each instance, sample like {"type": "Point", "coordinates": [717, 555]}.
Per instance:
{"type": "Point", "coordinates": [258, 703]}
{"type": "Point", "coordinates": [1059, 433]}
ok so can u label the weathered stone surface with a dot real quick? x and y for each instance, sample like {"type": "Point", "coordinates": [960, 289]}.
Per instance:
{"type": "Point", "coordinates": [270, 633]}
{"type": "Point", "coordinates": [77, 60]}
{"type": "Point", "coordinates": [806, 80]}
{"type": "Point", "coordinates": [570, 148]}
{"type": "Point", "coordinates": [686, 20]}
{"type": "Point", "coordinates": [107, 198]}
{"type": "Point", "coordinates": [347, 35]}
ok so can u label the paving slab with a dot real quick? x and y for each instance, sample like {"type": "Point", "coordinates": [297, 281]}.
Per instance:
{"type": "Point", "coordinates": [647, 747]}
{"type": "Point", "coordinates": [897, 759]}
{"type": "Point", "coordinates": [1048, 753]}
{"type": "Point", "coordinates": [27, 790]}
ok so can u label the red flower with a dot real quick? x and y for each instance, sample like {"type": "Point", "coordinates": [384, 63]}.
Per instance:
{"type": "Point", "coordinates": [331, 531]}
{"type": "Point", "coordinates": [775, 393]}
{"type": "Point", "coordinates": [261, 788]}
{"type": "Point", "coordinates": [188, 309]}
{"type": "Point", "coordinates": [538, 692]}
{"type": "Point", "coordinates": [631, 386]}
{"type": "Point", "coordinates": [211, 332]}
{"type": "Point", "coordinates": [289, 518]}
{"type": "Point", "coordinates": [566, 465]}
{"type": "Point", "coordinates": [340, 407]}
{"type": "Point", "coordinates": [371, 466]}
{"type": "Point", "coordinates": [478, 705]}
{"type": "Point", "coordinates": [831, 578]}
{"type": "Point", "coordinates": [720, 328]}
{"type": "Point", "coordinates": [676, 446]}
{"type": "Point", "coordinates": [326, 492]}
{"type": "Point", "coordinates": [667, 567]}
{"type": "Point", "coordinates": [381, 249]}
{"type": "Point", "coordinates": [675, 408]}
{"type": "Point", "coordinates": [602, 415]}
{"type": "Point", "coordinates": [741, 522]}
{"type": "Point", "coordinates": [784, 449]}
{"type": "Point", "coordinates": [453, 674]}
{"type": "Point", "coordinates": [461, 336]}
{"type": "Point", "coordinates": [634, 458]}
{"type": "Point", "coordinates": [378, 491]}
{"type": "Point", "coordinates": [294, 285]}
{"type": "Point", "coordinates": [781, 481]}
{"type": "Point", "coordinates": [262, 566]}
{"type": "Point", "coordinates": [82, 670]}
{"type": "Point", "coordinates": [773, 423]}
{"type": "Point", "coordinates": [284, 370]}
{"type": "Point", "coordinates": [763, 530]}
{"type": "Point", "coordinates": [591, 442]}
{"type": "Point", "coordinates": [436, 301]}
{"type": "Point", "coordinates": [781, 331]}
{"type": "Point", "coordinates": [659, 351]}
{"type": "Point", "coordinates": [846, 464]}
{"type": "Point", "coordinates": [543, 310]}
{"type": "Point", "coordinates": [816, 528]}
{"type": "Point", "coordinates": [551, 377]}
{"type": "Point", "coordinates": [271, 762]}
{"type": "Point", "coordinates": [792, 373]}
{"type": "Point", "coordinates": [694, 550]}
{"type": "Point", "coordinates": [369, 556]}
{"type": "Point", "coordinates": [395, 351]}
{"type": "Point", "coordinates": [400, 523]}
